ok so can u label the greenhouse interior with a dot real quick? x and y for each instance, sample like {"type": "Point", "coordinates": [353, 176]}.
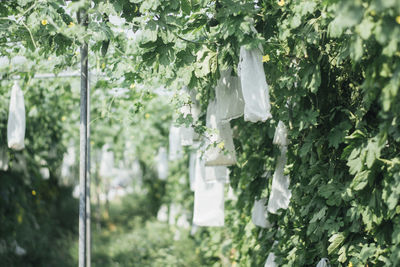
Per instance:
{"type": "Point", "coordinates": [186, 133]}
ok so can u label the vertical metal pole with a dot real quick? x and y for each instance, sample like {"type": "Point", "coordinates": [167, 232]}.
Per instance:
{"type": "Point", "coordinates": [88, 211]}
{"type": "Point", "coordinates": [83, 146]}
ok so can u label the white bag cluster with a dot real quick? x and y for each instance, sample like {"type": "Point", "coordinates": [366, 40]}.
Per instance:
{"type": "Point", "coordinates": [324, 262]}
{"type": "Point", "coordinates": [16, 119]}
{"type": "Point", "coordinates": [230, 104]}
{"type": "Point", "coordinates": [208, 198]}
{"type": "Point", "coordinates": [175, 147]}
{"type": "Point", "coordinates": [215, 174]}
{"type": "Point", "coordinates": [259, 213]}
{"type": "Point", "coordinates": [3, 159]}
{"type": "Point", "coordinates": [220, 148]}
{"type": "Point", "coordinates": [280, 193]}
{"type": "Point", "coordinates": [257, 106]}
{"type": "Point", "coordinates": [162, 163]}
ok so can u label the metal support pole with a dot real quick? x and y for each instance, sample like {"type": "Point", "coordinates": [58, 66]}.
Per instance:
{"type": "Point", "coordinates": [83, 159]}
{"type": "Point", "coordinates": [88, 211]}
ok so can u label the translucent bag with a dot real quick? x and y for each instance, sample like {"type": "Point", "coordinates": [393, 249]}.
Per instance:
{"type": "Point", "coordinates": [280, 193]}
{"type": "Point", "coordinates": [162, 163]}
{"type": "Point", "coordinates": [162, 214]}
{"type": "Point", "coordinates": [3, 159]}
{"type": "Point", "coordinates": [192, 170]}
{"type": "Point", "coordinates": [106, 162]}
{"type": "Point", "coordinates": [270, 262]}
{"type": "Point", "coordinates": [230, 103]}
{"type": "Point", "coordinates": [254, 86]}
{"type": "Point", "coordinates": [259, 213]}
{"type": "Point", "coordinates": [324, 262]}
{"type": "Point", "coordinates": [16, 119]}
{"type": "Point", "coordinates": [280, 136]}
{"type": "Point", "coordinates": [188, 135]}
{"type": "Point", "coordinates": [216, 174]}
{"type": "Point", "coordinates": [175, 147]}
{"type": "Point", "coordinates": [208, 199]}
{"type": "Point", "coordinates": [223, 153]}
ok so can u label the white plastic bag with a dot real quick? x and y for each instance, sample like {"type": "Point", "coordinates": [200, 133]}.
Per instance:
{"type": "Point", "coordinates": [280, 136]}
{"type": "Point", "coordinates": [188, 135]}
{"type": "Point", "coordinates": [324, 262]}
{"type": "Point", "coordinates": [175, 147]}
{"type": "Point", "coordinates": [220, 150]}
{"type": "Point", "coordinates": [230, 103]}
{"type": "Point", "coordinates": [106, 162]}
{"type": "Point", "coordinates": [254, 86]}
{"type": "Point", "coordinates": [16, 119]}
{"type": "Point", "coordinates": [280, 193]}
{"type": "Point", "coordinates": [270, 262]}
{"type": "Point", "coordinates": [162, 163]}
{"type": "Point", "coordinates": [208, 199]}
{"type": "Point", "coordinates": [162, 214]}
{"type": "Point", "coordinates": [259, 213]}
{"type": "Point", "coordinates": [3, 159]}
{"type": "Point", "coordinates": [216, 174]}
{"type": "Point", "coordinates": [192, 169]}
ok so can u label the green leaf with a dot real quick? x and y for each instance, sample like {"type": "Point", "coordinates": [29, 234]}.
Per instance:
{"type": "Point", "coordinates": [360, 180]}
{"type": "Point", "coordinates": [336, 240]}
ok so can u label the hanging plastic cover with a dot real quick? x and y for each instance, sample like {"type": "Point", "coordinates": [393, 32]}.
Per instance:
{"type": "Point", "coordinates": [280, 193]}
{"type": "Point", "coordinates": [175, 147]}
{"type": "Point", "coordinates": [270, 262]}
{"type": "Point", "coordinates": [257, 106]}
{"type": "Point", "coordinates": [192, 169]}
{"type": "Point", "coordinates": [16, 119]}
{"type": "Point", "coordinates": [68, 162]}
{"type": "Point", "coordinates": [106, 162]}
{"type": "Point", "coordinates": [216, 174]}
{"type": "Point", "coordinates": [162, 214]}
{"type": "Point", "coordinates": [230, 103]}
{"type": "Point", "coordinates": [3, 159]}
{"type": "Point", "coordinates": [280, 136]}
{"type": "Point", "coordinates": [208, 199]}
{"type": "Point", "coordinates": [259, 213]}
{"type": "Point", "coordinates": [220, 150]}
{"type": "Point", "coordinates": [162, 163]}
{"type": "Point", "coordinates": [324, 262]}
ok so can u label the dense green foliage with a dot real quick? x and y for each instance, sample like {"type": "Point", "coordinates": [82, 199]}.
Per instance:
{"type": "Point", "coordinates": [334, 75]}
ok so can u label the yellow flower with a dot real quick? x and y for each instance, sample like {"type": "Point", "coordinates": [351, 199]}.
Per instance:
{"type": "Point", "coordinates": [63, 118]}
{"type": "Point", "coordinates": [76, 53]}
{"type": "Point", "coordinates": [398, 19]}
{"type": "Point", "coordinates": [132, 86]}
{"type": "Point", "coordinates": [33, 193]}
{"type": "Point", "coordinates": [103, 65]}
{"type": "Point", "coordinates": [281, 2]}
{"type": "Point", "coordinates": [44, 22]}
{"type": "Point", "coordinates": [49, 58]}
{"type": "Point", "coordinates": [265, 58]}
{"type": "Point", "coordinates": [221, 145]}
{"type": "Point", "coordinates": [147, 115]}
{"type": "Point", "coordinates": [71, 24]}
{"type": "Point", "coordinates": [350, 264]}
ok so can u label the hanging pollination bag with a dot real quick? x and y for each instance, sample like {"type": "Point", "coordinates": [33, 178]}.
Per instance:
{"type": "Point", "coordinates": [259, 213]}
{"type": "Point", "coordinates": [230, 104]}
{"type": "Point", "coordinates": [3, 159]}
{"type": "Point", "coordinates": [220, 150]}
{"type": "Point", "coordinates": [257, 106]}
{"type": "Point", "coordinates": [16, 119]}
{"type": "Point", "coordinates": [208, 198]}
{"type": "Point", "coordinates": [280, 194]}
{"type": "Point", "coordinates": [162, 163]}
{"type": "Point", "coordinates": [175, 147]}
